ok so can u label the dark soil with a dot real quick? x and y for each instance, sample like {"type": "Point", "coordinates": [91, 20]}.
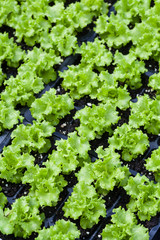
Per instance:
{"type": "Point", "coordinates": [68, 124]}
{"type": "Point", "coordinates": [103, 141]}
{"type": "Point", "coordinates": [86, 101]}
{"type": "Point", "coordinates": [9, 189]}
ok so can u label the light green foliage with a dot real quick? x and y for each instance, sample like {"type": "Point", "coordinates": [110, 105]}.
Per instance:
{"type": "Point", "coordinates": [124, 226]}
{"type": "Point", "coordinates": [85, 204]}
{"type": "Point", "coordinates": [105, 173]}
{"type": "Point", "coordinates": [42, 63]}
{"type": "Point", "coordinates": [21, 89]}
{"type": "Point", "coordinates": [96, 120]}
{"type": "Point", "coordinates": [2, 76]}
{"type": "Point", "coordinates": [36, 70]}
{"type": "Point", "coordinates": [104, 73]}
{"type": "Point", "coordinates": [64, 230]}
{"type": "Point", "coordinates": [22, 219]}
{"type": "Point", "coordinates": [145, 196]}
{"type": "Point", "coordinates": [132, 10]}
{"type": "Point", "coordinates": [154, 82]}
{"type": "Point", "coordinates": [51, 107]}
{"type": "Point", "coordinates": [145, 35]}
{"type": "Point", "coordinates": [7, 7]}
{"type": "Point", "coordinates": [131, 141]}
{"type": "Point", "coordinates": [153, 164]}
{"type": "Point", "coordinates": [108, 170]}
{"type": "Point", "coordinates": [80, 81]}
{"type": "Point", "coordinates": [8, 116]}
{"type": "Point", "coordinates": [45, 183]}
{"type": "Point", "coordinates": [98, 6]}
{"type": "Point", "coordinates": [14, 163]}
{"type": "Point", "coordinates": [9, 51]}
{"type": "Point", "coordinates": [144, 40]}
{"type": "Point", "coordinates": [128, 69]}
{"type": "Point", "coordinates": [114, 30]}
{"type": "Point", "coordinates": [70, 153]}
{"type": "Point", "coordinates": [63, 39]}
{"type": "Point", "coordinates": [110, 91]}
{"type": "Point", "coordinates": [95, 54]}
{"type": "Point", "coordinates": [31, 25]}
{"type": "Point", "coordinates": [145, 112]}
{"type": "Point", "coordinates": [30, 21]}
{"type": "Point", "coordinates": [142, 19]}
{"type": "Point", "coordinates": [80, 14]}
{"type": "Point", "coordinates": [33, 137]}
{"type": "Point", "coordinates": [3, 199]}
{"type": "Point", "coordinates": [55, 12]}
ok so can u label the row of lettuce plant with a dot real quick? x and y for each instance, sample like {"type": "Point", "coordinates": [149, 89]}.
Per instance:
{"type": "Point", "coordinates": [53, 26]}
{"type": "Point", "coordinates": [90, 77]}
{"type": "Point", "coordinates": [56, 35]}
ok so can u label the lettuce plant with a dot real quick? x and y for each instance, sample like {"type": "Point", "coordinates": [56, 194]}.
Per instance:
{"type": "Point", "coordinates": [14, 163]}
{"type": "Point", "coordinates": [51, 107]}
{"type": "Point", "coordinates": [36, 70]}
{"type": "Point", "coordinates": [106, 172]}
{"type": "Point", "coordinates": [47, 190]}
{"type": "Point", "coordinates": [154, 83]}
{"type": "Point", "coordinates": [80, 81]}
{"type": "Point", "coordinates": [124, 226]}
{"type": "Point", "coordinates": [30, 21]}
{"type": "Point", "coordinates": [42, 63]}
{"type": "Point", "coordinates": [70, 154]}
{"type": "Point", "coordinates": [85, 204]}
{"type": "Point", "coordinates": [63, 39]}
{"type": "Point", "coordinates": [153, 164]}
{"type": "Point", "coordinates": [145, 35]}
{"type": "Point", "coordinates": [145, 196]}
{"type": "Point", "coordinates": [114, 30]}
{"type": "Point", "coordinates": [64, 230]}
{"type": "Point", "coordinates": [128, 69]}
{"type": "Point", "coordinates": [109, 90]}
{"type": "Point", "coordinates": [96, 120]}
{"type": "Point", "coordinates": [132, 10]}
{"type": "Point", "coordinates": [55, 12]}
{"type": "Point", "coordinates": [22, 219]}
{"type": "Point", "coordinates": [9, 51]}
{"type": "Point", "coordinates": [33, 137]}
{"type": "Point", "coordinates": [94, 54]}
{"type": "Point", "coordinates": [21, 89]}
{"type": "Point", "coordinates": [7, 7]}
{"type": "Point", "coordinates": [8, 116]}
{"type": "Point", "coordinates": [145, 112]}
{"type": "Point", "coordinates": [131, 141]}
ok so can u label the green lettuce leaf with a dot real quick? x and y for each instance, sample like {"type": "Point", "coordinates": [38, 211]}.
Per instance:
{"type": "Point", "coordinates": [124, 226]}
{"type": "Point", "coordinates": [51, 107]}
{"type": "Point", "coordinates": [85, 204]}
{"type": "Point", "coordinates": [96, 120]}
{"type": "Point", "coordinates": [145, 196]}
{"type": "Point", "coordinates": [64, 230]}
{"type": "Point", "coordinates": [131, 141]}
{"type": "Point", "coordinates": [33, 137]}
